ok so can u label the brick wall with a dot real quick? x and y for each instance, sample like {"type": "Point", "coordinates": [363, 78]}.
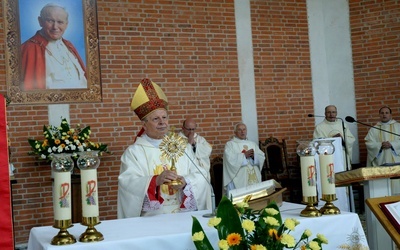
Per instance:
{"type": "Point", "coordinates": [375, 34]}
{"type": "Point", "coordinates": [282, 71]}
{"type": "Point", "coordinates": [189, 49]}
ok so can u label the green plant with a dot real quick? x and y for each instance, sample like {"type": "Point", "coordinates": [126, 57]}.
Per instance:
{"type": "Point", "coordinates": [240, 227]}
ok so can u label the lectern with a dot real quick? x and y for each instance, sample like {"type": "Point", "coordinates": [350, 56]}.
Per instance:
{"type": "Point", "coordinates": [376, 182]}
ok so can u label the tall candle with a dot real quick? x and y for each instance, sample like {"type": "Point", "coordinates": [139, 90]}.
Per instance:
{"type": "Point", "coordinates": [90, 201]}
{"type": "Point", "coordinates": [62, 195]}
{"type": "Point", "coordinates": [308, 176]}
{"type": "Point", "coordinates": [327, 174]}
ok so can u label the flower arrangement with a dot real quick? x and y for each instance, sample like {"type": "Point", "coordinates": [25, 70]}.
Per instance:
{"type": "Point", "coordinates": [240, 227]}
{"type": "Point", "coordinates": [64, 139]}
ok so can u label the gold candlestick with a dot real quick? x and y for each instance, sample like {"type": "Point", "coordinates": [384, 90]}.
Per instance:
{"type": "Point", "coordinates": [310, 210]}
{"type": "Point", "coordinates": [63, 237]}
{"type": "Point", "coordinates": [91, 234]}
{"type": "Point", "coordinates": [329, 208]}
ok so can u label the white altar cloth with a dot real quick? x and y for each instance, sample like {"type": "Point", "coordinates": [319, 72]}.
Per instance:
{"type": "Point", "coordinates": [173, 231]}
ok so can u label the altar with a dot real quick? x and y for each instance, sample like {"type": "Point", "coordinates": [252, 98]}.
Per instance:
{"type": "Point", "coordinates": [173, 231]}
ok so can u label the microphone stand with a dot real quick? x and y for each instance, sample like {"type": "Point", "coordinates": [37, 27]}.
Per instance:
{"type": "Point", "coordinates": [344, 143]}
{"type": "Point", "coordinates": [213, 208]}
{"type": "Point", "coordinates": [350, 188]}
{"type": "Point", "coordinates": [351, 120]}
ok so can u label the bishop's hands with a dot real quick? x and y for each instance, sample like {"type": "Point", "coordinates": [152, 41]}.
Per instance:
{"type": "Point", "coordinates": [167, 176]}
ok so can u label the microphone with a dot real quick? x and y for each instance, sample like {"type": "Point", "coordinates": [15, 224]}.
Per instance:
{"type": "Point", "coordinates": [311, 115]}
{"type": "Point", "coordinates": [213, 208]}
{"type": "Point", "coordinates": [351, 120]}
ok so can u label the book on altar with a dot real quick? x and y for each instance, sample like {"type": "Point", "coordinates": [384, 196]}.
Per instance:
{"type": "Point", "coordinates": [256, 191]}
{"type": "Point", "coordinates": [392, 212]}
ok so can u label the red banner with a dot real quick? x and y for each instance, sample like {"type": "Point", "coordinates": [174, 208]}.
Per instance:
{"type": "Point", "coordinates": [6, 222]}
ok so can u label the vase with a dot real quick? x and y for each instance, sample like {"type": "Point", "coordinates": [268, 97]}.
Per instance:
{"type": "Point", "coordinates": [325, 147]}
{"type": "Point", "coordinates": [88, 160]}
{"type": "Point", "coordinates": [305, 148]}
{"type": "Point", "coordinates": [62, 162]}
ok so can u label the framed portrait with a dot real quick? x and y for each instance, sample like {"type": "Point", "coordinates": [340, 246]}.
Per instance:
{"type": "Point", "coordinates": [52, 51]}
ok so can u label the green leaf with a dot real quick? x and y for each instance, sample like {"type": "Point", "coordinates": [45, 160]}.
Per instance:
{"type": "Point", "coordinates": [200, 245]}
{"type": "Point", "coordinates": [230, 221]}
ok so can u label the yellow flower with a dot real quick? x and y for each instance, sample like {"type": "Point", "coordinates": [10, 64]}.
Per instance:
{"type": "Point", "coordinates": [248, 225]}
{"type": "Point", "coordinates": [223, 244]}
{"type": "Point", "coordinates": [242, 204]}
{"type": "Point", "coordinates": [233, 239]}
{"type": "Point", "coordinates": [290, 224]}
{"type": "Point", "coordinates": [288, 240]}
{"type": "Point", "coordinates": [271, 211]}
{"type": "Point", "coordinates": [213, 222]}
{"type": "Point", "coordinates": [257, 247]}
{"type": "Point", "coordinates": [307, 233]}
{"type": "Point", "coordinates": [199, 236]}
{"type": "Point", "coordinates": [271, 221]}
{"type": "Point", "coordinates": [322, 238]}
{"type": "Point", "coordinates": [57, 141]}
{"type": "Point", "coordinates": [314, 245]}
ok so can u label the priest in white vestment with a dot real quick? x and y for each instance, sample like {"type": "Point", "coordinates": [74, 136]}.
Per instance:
{"type": "Point", "coordinates": [200, 148]}
{"type": "Point", "coordinates": [242, 161]}
{"type": "Point", "coordinates": [384, 147]}
{"type": "Point", "coordinates": [145, 181]}
{"type": "Point", "coordinates": [333, 127]}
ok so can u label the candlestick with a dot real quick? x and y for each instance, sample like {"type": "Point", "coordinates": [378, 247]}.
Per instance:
{"type": "Point", "coordinates": [61, 167]}
{"type": "Point", "coordinates": [88, 162]}
{"type": "Point", "coordinates": [306, 151]}
{"type": "Point", "coordinates": [325, 150]}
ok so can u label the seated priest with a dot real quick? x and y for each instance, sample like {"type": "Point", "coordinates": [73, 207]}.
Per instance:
{"type": "Point", "coordinates": [145, 182]}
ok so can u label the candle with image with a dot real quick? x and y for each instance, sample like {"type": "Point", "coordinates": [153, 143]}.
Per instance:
{"type": "Point", "coordinates": [61, 167]}
{"type": "Point", "coordinates": [307, 151]}
{"type": "Point", "coordinates": [325, 150]}
{"type": "Point", "coordinates": [326, 165]}
{"type": "Point", "coordinates": [90, 201]}
{"type": "Point", "coordinates": [62, 196]}
{"type": "Point", "coordinates": [88, 162]}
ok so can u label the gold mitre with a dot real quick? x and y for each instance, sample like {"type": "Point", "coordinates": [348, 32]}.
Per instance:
{"type": "Point", "coordinates": [147, 98]}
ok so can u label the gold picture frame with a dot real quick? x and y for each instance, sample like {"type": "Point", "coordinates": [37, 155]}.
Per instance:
{"type": "Point", "coordinates": [17, 93]}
